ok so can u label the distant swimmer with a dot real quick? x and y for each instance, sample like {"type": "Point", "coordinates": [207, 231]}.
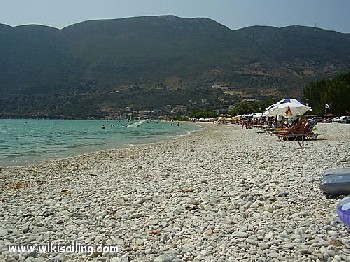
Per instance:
{"type": "Point", "coordinates": [103, 127]}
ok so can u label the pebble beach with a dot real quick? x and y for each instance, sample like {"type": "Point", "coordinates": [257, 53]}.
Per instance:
{"type": "Point", "coordinates": [220, 194]}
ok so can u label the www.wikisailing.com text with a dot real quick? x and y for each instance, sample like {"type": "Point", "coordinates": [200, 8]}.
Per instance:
{"type": "Point", "coordinates": [73, 247]}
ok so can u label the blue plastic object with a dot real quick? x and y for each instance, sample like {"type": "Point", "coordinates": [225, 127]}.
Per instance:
{"type": "Point", "coordinates": [343, 210]}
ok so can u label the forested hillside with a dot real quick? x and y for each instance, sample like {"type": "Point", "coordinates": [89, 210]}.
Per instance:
{"type": "Point", "coordinates": [98, 68]}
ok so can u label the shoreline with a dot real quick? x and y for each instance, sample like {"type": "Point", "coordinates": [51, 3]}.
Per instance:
{"type": "Point", "coordinates": [219, 193]}
{"type": "Point", "coordinates": [127, 149]}
{"type": "Point", "coordinates": [36, 159]}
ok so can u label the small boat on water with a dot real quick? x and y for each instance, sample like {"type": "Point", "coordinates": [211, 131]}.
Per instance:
{"type": "Point", "coordinates": [136, 124]}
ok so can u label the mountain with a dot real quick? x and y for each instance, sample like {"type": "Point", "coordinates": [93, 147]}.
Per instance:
{"type": "Point", "coordinates": [98, 68]}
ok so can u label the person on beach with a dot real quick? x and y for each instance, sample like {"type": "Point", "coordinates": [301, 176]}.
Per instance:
{"type": "Point", "coordinates": [298, 127]}
{"type": "Point", "coordinates": [246, 123]}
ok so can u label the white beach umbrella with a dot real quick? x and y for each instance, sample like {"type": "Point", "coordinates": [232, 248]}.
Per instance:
{"type": "Point", "coordinates": [268, 111]}
{"type": "Point", "coordinates": [288, 107]}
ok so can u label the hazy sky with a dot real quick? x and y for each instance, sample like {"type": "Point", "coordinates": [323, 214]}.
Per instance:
{"type": "Point", "coordinates": [235, 14]}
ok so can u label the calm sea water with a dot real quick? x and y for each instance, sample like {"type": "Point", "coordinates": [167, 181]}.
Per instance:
{"type": "Point", "coordinates": [25, 141]}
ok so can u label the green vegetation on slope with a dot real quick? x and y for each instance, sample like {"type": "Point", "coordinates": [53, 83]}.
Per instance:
{"type": "Point", "coordinates": [98, 68]}
{"type": "Point", "coordinates": [334, 92]}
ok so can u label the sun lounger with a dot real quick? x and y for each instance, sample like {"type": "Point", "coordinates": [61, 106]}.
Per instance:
{"type": "Point", "coordinates": [300, 131]}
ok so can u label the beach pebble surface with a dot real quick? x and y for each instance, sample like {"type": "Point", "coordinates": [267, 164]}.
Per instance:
{"type": "Point", "coordinates": [220, 194]}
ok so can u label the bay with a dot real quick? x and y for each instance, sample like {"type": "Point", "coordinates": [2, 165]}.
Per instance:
{"type": "Point", "coordinates": [28, 141]}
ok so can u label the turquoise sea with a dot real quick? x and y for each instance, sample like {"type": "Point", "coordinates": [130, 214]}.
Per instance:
{"type": "Point", "coordinates": [27, 141]}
